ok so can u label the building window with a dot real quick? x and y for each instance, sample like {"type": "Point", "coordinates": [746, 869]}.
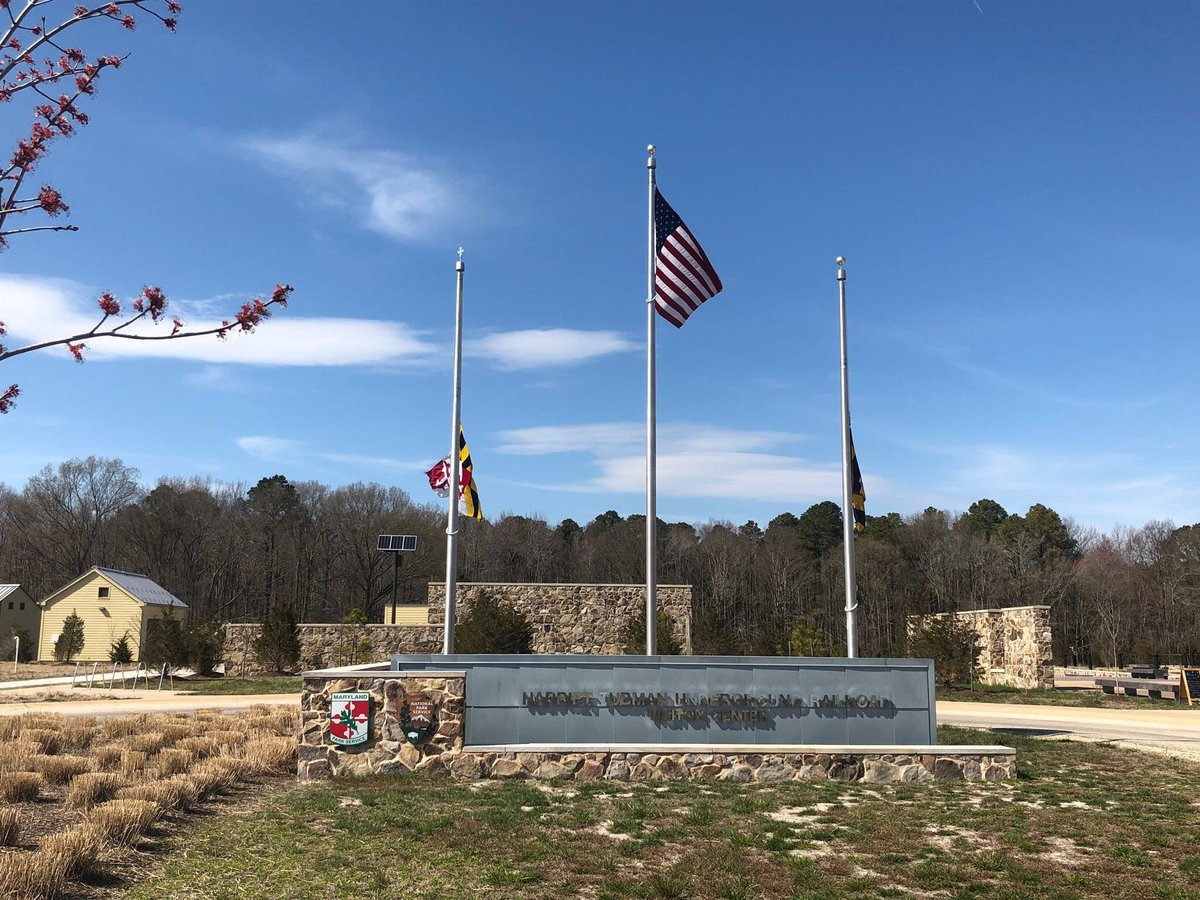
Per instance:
{"type": "Point", "coordinates": [10, 604]}
{"type": "Point", "coordinates": [22, 606]}
{"type": "Point", "coordinates": [103, 592]}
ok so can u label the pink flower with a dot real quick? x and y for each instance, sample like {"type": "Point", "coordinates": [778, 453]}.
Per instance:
{"type": "Point", "coordinates": [109, 305]}
{"type": "Point", "coordinates": [77, 351]}
{"type": "Point", "coordinates": [156, 301]}
{"type": "Point", "coordinates": [51, 201]}
{"type": "Point", "coordinates": [8, 398]}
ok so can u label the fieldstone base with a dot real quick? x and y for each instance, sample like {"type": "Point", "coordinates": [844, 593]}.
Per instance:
{"type": "Point", "coordinates": [387, 751]}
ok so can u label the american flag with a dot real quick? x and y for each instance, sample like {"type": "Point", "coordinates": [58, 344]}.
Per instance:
{"type": "Point", "coordinates": [683, 276]}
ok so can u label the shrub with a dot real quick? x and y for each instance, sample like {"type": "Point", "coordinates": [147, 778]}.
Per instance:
{"type": "Point", "coordinates": [807, 641]}
{"type": "Point", "coordinates": [278, 644]}
{"type": "Point", "coordinates": [633, 635]}
{"type": "Point", "coordinates": [205, 645]}
{"type": "Point", "coordinates": [950, 643]}
{"type": "Point", "coordinates": [70, 639]}
{"type": "Point", "coordinates": [490, 625]}
{"type": "Point", "coordinates": [120, 651]}
{"type": "Point", "coordinates": [354, 643]}
{"type": "Point", "coordinates": [26, 652]}
{"type": "Point", "coordinates": [165, 642]}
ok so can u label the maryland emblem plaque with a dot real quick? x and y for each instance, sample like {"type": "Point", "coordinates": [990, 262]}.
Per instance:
{"type": "Point", "coordinates": [350, 718]}
{"type": "Point", "coordinates": [418, 717]}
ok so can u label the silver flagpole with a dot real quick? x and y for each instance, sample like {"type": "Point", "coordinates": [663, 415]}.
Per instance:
{"type": "Point", "coordinates": [455, 465]}
{"type": "Point", "coordinates": [847, 482]}
{"type": "Point", "coordinates": [651, 514]}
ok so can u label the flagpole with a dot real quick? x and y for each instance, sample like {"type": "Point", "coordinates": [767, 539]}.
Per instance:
{"type": "Point", "coordinates": [847, 481]}
{"type": "Point", "coordinates": [651, 513]}
{"type": "Point", "coordinates": [455, 465]}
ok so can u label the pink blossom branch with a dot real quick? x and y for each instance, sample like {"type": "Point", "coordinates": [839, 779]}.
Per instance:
{"type": "Point", "coordinates": [152, 303]}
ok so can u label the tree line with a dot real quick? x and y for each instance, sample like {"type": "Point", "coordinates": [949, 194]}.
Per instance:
{"type": "Point", "coordinates": [235, 553]}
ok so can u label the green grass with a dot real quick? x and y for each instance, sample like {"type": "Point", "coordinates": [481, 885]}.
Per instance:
{"type": "Point", "coordinates": [267, 684]}
{"type": "Point", "coordinates": [993, 693]}
{"type": "Point", "coordinates": [1080, 821]}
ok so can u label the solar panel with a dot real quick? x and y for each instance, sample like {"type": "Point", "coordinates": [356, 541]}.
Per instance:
{"type": "Point", "coordinates": [397, 542]}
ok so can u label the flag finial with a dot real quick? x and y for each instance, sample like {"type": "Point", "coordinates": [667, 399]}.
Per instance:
{"type": "Point", "coordinates": [841, 260]}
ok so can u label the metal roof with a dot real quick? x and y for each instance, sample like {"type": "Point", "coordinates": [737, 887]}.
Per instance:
{"type": "Point", "coordinates": [6, 589]}
{"type": "Point", "coordinates": [142, 588]}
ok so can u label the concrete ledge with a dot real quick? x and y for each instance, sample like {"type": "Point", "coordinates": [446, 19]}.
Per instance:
{"type": "Point", "coordinates": [760, 749]}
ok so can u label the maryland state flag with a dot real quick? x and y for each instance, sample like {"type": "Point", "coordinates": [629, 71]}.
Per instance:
{"type": "Point", "coordinates": [858, 494]}
{"type": "Point", "coordinates": [439, 480]}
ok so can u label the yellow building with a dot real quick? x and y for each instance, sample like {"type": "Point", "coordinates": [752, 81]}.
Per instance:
{"type": "Point", "coordinates": [406, 613]}
{"type": "Point", "coordinates": [19, 615]}
{"type": "Point", "coordinates": [112, 604]}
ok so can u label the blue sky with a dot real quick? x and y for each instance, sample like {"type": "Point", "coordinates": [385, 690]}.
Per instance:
{"type": "Point", "coordinates": [1014, 186]}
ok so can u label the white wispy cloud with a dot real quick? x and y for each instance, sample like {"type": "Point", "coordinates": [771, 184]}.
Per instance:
{"type": "Point", "coordinates": [395, 194]}
{"type": "Point", "coordinates": [270, 449]}
{"type": "Point", "coordinates": [279, 449]}
{"type": "Point", "coordinates": [41, 309]}
{"type": "Point", "coordinates": [692, 460]}
{"type": "Point", "coordinates": [543, 347]}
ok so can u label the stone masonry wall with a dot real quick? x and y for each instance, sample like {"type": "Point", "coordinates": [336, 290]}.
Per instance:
{"type": "Point", "coordinates": [1015, 645]}
{"type": "Point", "coordinates": [322, 646]}
{"type": "Point", "coordinates": [387, 752]}
{"type": "Point", "coordinates": [573, 618]}
{"type": "Point", "coordinates": [566, 618]}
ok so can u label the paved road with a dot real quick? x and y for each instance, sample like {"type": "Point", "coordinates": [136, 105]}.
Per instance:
{"type": "Point", "coordinates": [1173, 730]}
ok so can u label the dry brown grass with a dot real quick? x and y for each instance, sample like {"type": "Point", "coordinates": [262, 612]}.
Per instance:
{"type": "Point", "coordinates": [46, 738]}
{"type": "Point", "coordinates": [150, 764]}
{"type": "Point", "coordinates": [201, 745]}
{"type": "Point", "coordinates": [10, 827]}
{"type": "Point", "coordinates": [149, 742]}
{"type": "Point", "coordinates": [107, 756]}
{"type": "Point", "coordinates": [78, 734]}
{"type": "Point", "coordinates": [173, 761]}
{"type": "Point", "coordinates": [93, 787]}
{"type": "Point", "coordinates": [76, 850]}
{"type": "Point", "coordinates": [20, 787]}
{"type": "Point", "coordinates": [14, 755]}
{"type": "Point", "coordinates": [122, 822]}
{"type": "Point", "coordinates": [170, 793]}
{"type": "Point", "coordinates": [175, 732]}
{"type": "Point", "coordinates": [228, 738]}
{"type": "Point", "coordinates": [271, 755]}
{"type": "Point", "coordinates": [132, 762]}
{"type": "Point", "coordinates": [215, 776]}
{"type": "Point", "coordinates": [126, 726]}
{"type": "Point", "coordinates": [31, 876]}
{"type": "Point", "coordinates": [61, 769]}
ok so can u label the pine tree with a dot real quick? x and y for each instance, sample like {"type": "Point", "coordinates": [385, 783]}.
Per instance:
{"type": "Point", "coordinates": [120, 651]}
{"type": "Point", "coordinates": [278, 645]}
{"type": "Point", "coordinates": [490, 625]}
{"type": "Point", "coordinates": [70, 641]}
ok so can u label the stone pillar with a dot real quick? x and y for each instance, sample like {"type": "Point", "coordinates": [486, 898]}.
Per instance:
{"type": "Point", "coordinates": [386, 750]}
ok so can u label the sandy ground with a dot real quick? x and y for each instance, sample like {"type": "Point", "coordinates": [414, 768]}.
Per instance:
{"type": "Point", "coordinates": [152, 701]}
